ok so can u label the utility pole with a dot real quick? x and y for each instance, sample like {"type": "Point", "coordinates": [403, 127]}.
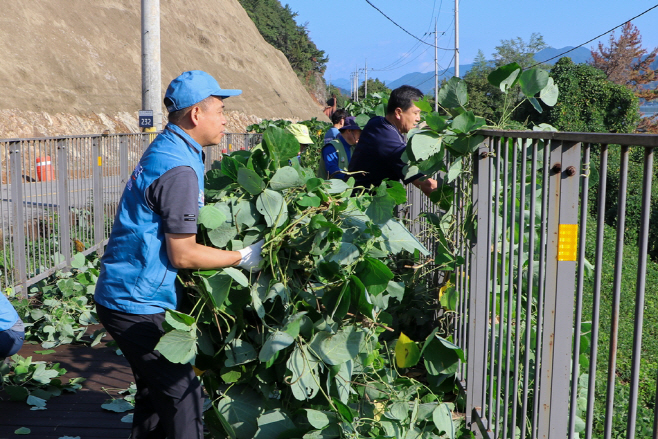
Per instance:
{"type": "Point", "coordinates": [436, 67]}
{"type": "Point", "coordinates": [366, 83]}
{"type": "Point", "coordinates": [151, 71]}
{"type": "Point", "coordinates": [352, 85]}
{"type": "Point", "coordinates": [356, 83]}
{"type": "Point", "coordinates": [457, 38]}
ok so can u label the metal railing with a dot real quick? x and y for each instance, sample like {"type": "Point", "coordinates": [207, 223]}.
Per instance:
{"type": "Point", "coordinates": [541, 362]}
{"type": "Point", "coordinates": [60, 194]}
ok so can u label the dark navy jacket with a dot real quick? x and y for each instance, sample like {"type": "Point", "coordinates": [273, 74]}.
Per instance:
{"type": "Point", "coordinates": [378, 154]}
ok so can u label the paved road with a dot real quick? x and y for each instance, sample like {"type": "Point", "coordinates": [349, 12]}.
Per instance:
{"type": "Point", "coordinates": [39, 196]}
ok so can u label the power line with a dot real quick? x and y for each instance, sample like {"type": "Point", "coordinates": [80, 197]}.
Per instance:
{"type": "Point", "coordinates": [596, 37]}
{"type": "Point", "coordinates": [440, 74]}
{"type": "Point", "coordinates": [406, 31]}
{"type": "Point", "coordinates": [402, 65]}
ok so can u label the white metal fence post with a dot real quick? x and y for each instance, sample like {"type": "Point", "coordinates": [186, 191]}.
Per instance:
{"type": "Point", "coordinates": [479, 286]}
{"type": "Point", "coordinates": [18, 230]}
{"type": "Point", "coordinates": [99, 215]}
{"type": "Point", "coordinates": [64, 208]}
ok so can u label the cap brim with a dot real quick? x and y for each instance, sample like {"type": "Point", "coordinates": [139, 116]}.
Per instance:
{"type": "Point", "coordinates": [306, 140]}
{"type": "Point", "coordinates": [227, 93]}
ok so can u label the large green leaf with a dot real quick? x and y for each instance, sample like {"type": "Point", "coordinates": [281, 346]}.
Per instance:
{"type": "Point", "coordinates": [179, 320]}
{"type": "Point", "coordinates": [436, 121]}
{"type": "Point", "coordinates": [337, 348]}
{"type": "Point", "coordinates": [362, 120]}
{"type": "Point", "coordinates": [343, 380]}
{"type": "Point", "coordinates": [222, 235]}
{"type": "Point", "coordinates": [244, 213]}
{"type": "Point", "coordinates": [398, 238]}
{"type": "Point", "coordinates": [284, 178]}
{"type": "Point", "coordinates": [305, 377]}
{"type": "Point", "coordinates": [465, 123]}
{"type": "Point", "coordinates": [464, 145]}
{"type": "Point", "coordinates": [442, 417]}
{"type": "Point", "coordinates": [453, 94]}
{"type": "Point", "coordinates": [360, 296]}
{"type": "Point", "coordinates": [272, 423]}
{"type": "Point", "coordinates": [425, 144]}
{"type": "Point", "coordinates": [533, 81]}
{"type": "Point", "coordinates": [381, 208]}
{"type": "Point", "coordinates": [280, 145]}
{"type": "Point", "coordinates": [230, 167]}
{"type": "Point", "coordinates": [505, 76]}
{"type": "Point", "coordinates": [178, 346]}
{"type": "Point", "coordinates": [549, 94]}
{"type": "Point", "coordinates": [43, 375]}
{"type": "Point", "coordinates": [455, 170]}
{"type": "Point", "coordinates": [443, 196]}
{"type": "Point", "coordinates": [272, 206]}
{"type": "Point", "coordinates": [439, 359]}
{"type": "Point", "coordinates": [372, 271]}
{"type": "Point", "coordinates": [241, 406]}
{"type": "Point", "coordinates": [210, 217]}
{"type": "Point", "coordinates": [320, 419]}
{"type": "Point", "coordinates": [250, 181]}
{"type": "Point", "coordinates": [237, 276]}
{"type": "Point", "coordinates": [239, 352]}
{"type": "Point", "coordinates": [535, 103]}
{"type": "Point", "coordinates": [347, 253]}
{"type": "Point", "coordinates": [275, 342]}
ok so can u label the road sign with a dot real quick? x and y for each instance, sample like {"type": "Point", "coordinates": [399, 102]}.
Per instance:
{"type": "Point", "coordinates": [145, 118]}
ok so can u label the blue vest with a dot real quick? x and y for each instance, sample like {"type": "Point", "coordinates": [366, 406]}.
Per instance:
{"type": "Point", "coordinates": [8, 315]}
{"type": "Point", "coordinates": [136, 276]}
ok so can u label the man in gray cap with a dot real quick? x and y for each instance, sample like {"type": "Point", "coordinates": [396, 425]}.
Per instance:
{"type": "Point", "coordinates": [154, 234]}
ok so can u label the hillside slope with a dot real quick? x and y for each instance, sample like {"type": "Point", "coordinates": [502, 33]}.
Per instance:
{"type": "Point", "coordinates": [65, 61]}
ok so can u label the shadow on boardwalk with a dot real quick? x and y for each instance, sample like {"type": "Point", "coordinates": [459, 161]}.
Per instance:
{"type": "Point", "coordinates": [74, 414]}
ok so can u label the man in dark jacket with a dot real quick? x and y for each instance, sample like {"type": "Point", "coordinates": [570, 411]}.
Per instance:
{"type": "Point", "coordinates": [382, 143]}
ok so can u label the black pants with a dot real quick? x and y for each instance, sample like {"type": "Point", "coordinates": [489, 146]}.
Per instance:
{"type": "Point", "coordinates": [168, 403]}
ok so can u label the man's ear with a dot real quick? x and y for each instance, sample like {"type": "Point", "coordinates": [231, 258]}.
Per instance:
{"type": "Point", "coordinates": [398, 113]}
{"type": "Point", "coordinates": [194, 115]}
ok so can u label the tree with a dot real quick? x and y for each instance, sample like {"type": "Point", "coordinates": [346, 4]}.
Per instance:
{"type": "Point", "coordinates": [589, 101]}
{"type": "Point", "coordinates": [374, 86]}
{"type": "Point", "coordinates": [483, 98]}
{"type": "Point", "coordinates": [342, 99]}
{"type": "Point", "coordinates": [277, 25]}
{"type": "Point", "coordinates": [518, 51]}
{"type": "Point", "coordinates": [627, 63]}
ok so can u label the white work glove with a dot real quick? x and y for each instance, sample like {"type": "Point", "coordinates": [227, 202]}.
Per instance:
{"type": "Point", "coordinates": [251, 256]}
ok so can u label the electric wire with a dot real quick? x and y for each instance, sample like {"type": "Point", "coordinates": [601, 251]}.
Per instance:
{"type": "Point", "coordinates": [394, 65]}
{"type": "Point", "coordinates": [406, 31]}
{"type": "Point", "coordinates": [440, 74]}
{"type": "Point", "coordinates": [402, 65]}
{"type": "Point", "coordinates": [595, 38]}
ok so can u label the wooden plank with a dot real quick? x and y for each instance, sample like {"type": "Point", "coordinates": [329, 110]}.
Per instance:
{"type": "Point", "coordinates": [74, 414]}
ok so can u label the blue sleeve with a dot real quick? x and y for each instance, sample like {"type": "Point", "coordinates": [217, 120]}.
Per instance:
{"type": "Point", "coordinates": [330, 157]}
{"type": "Point", "coordinates": [330, 135]}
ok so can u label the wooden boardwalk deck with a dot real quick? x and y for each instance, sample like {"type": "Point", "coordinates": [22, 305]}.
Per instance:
{"type": "Point", "coordinates": [74, 414]}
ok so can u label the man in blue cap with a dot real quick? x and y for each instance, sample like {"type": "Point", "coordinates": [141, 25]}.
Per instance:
{"type": "Point", "coordinates": [154, 234]}
{"type": "Point", "coordinates": [336, 155]}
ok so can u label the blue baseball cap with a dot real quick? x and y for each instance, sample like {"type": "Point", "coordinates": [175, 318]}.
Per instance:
{"type": "Point", "coordinates": [192, 87]}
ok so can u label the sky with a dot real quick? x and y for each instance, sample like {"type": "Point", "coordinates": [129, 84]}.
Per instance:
{"type": "Point", "coordinates": [353, 33]}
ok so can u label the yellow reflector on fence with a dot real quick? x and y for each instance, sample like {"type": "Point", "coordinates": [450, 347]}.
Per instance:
{"type": "Point", "coordinates": [567, 249]}
{"type": "Point", "coordinates": [100, 161]}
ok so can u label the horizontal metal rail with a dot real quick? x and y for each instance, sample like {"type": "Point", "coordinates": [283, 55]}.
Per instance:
{"type": "Point", "coordinates": [59, 196]}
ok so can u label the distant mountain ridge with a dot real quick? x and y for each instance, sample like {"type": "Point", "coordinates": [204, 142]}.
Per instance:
{"type": "Point", "coordinates": [425, 81]}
